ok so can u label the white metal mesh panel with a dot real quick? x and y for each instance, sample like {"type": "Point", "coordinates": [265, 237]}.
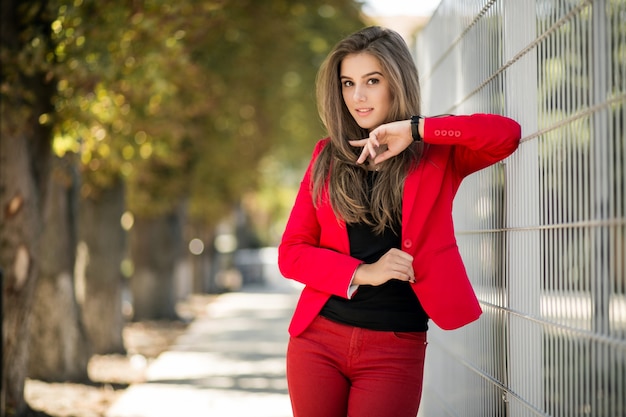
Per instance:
{"type": "Point", "coordinates": [543, 234]}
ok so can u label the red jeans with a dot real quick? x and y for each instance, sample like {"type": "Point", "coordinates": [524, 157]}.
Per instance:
{"type": "Point", "coordinates": [336, 370]}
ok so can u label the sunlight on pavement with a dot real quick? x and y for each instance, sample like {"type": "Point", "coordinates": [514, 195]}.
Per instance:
{"type": "Point", "coordinates": [156, 400]}
{"type": "Point", "coordinates": [172, 366]}
{"type": "Point", "coordinates": [229, 363]}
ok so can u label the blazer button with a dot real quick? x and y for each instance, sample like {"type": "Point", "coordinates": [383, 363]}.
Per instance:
{"type": "Point", "coordinates": [437, 132]}
{"type": "Point", "coordinates": [407, 243]}
{"type": "Point", "coordinates": [457, 133]}
{"type": "Point", "coordinates": [451, 133]}
{"type": "Point", "coordinates": [444, 133]}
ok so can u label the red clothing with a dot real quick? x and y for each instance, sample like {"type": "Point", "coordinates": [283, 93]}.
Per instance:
{"type": "Point", "coordinates": [337, 370]}
{"type": "Point", "coordinates": [315, 248]}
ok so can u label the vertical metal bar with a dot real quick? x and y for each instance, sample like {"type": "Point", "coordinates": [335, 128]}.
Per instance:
{"type": "Point", "coordinates": [602, 175]}
{"type": "Point", "coordinates": [600, 149]}
{"type": "Point", "coordinates": [525, 358]}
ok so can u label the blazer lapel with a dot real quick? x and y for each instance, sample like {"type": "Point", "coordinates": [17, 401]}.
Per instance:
{"type": "Point", "coordinates": [334, 231]}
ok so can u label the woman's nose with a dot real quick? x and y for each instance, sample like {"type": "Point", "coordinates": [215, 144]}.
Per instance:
{"type": "Point", "coordinates": [359, 94]}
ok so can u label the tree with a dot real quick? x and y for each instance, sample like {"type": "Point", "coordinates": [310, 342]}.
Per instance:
{"type": "Point", "coordinates": [152, 99]}
{"type": "Point", "coordinates": [265, 116]}
{"type": "Point", "coordinates": [25, 136]}
{"type": "Point", "coordinates": [59, 348]}
{"type": "Point", "coordinates": [176, 105]}
{"type": "Point", "coordinates": [101, 249]}
{"type": "Point", "coordinates": [255, 83]}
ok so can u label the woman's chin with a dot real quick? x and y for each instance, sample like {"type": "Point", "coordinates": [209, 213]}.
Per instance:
{"type": "Point", "coordinates": [368, 125]}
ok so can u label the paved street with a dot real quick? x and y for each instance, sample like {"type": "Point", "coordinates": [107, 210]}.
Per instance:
{"type": "Point", "coordinates": [230, 363]}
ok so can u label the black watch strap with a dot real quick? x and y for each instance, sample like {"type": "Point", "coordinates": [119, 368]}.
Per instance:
{"type": "Point", "coordinates": [415, 128]}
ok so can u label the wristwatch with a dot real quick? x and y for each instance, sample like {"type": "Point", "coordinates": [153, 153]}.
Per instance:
{"type": "Point", "coordinates": [415, 128]}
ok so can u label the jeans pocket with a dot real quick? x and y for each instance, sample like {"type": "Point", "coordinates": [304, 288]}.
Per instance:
{"type": "Point", "coordinates": [419, 337]}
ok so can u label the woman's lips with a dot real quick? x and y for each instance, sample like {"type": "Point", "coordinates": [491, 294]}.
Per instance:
{"type": "Point", "coordinates": [364, 112]}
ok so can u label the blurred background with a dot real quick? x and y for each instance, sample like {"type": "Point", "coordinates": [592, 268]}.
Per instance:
{"type": "Point", "coordinates": [149, 151]}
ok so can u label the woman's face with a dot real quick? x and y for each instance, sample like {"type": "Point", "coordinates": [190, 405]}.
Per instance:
{"type": "Point", "coordinates": [365, 90]}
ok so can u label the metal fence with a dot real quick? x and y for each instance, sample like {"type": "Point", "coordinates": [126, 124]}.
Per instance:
{"type": "Point", "coordinates": [543, 234]}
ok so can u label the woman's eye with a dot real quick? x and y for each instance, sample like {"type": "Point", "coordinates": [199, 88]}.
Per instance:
{"type": "Point", "coordinates": [373, 81]}
{"type": "Point", "coordinates": [348, 83]}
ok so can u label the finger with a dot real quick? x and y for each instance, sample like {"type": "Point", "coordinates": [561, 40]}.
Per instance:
{"type": "Point", "coordinates": [404, 274]}
{"type": "Point", "coordinates": [382, 157]}
{"type": "Point", "coordinates": [363, 157]}
{"type": "Point", "coordinates": [358, 142]}
{"type": "Point", "coordinates": [372, 149]}
{"type": "Point", "coordinates": [378, 133]}
{"type": "Point", "coordinates": [368, 148]}
{"type": "Point", "coordinates": [402, 254]}
{"type": "Point", "coordinates": [411, 274]}
{"type": "Point", "coordinates": [374, 138]}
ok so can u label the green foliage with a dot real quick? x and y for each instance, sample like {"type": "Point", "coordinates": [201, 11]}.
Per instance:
{"type": "Point", "coordinates": [121, 76]}
{"type": "Point", "coordinates": [184, 100]}
{"type": "Point", "coordinates": [25, 70]}
{"type": "Point", "coordinates": [266, 59]}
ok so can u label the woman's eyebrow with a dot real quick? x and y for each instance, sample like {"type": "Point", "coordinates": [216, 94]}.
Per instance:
{"type": "Point", "coordinates": [369, 74]}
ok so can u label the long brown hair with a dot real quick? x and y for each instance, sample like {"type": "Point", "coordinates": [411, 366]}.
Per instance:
{"type": "Point", "coordinates": [336, 164]}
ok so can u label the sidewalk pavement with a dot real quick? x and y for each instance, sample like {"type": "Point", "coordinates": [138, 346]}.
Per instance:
{"type": "Point", "coordinates": [229, 363]}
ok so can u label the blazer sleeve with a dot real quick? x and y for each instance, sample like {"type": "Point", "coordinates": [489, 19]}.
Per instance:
{"type": "Point", "coordinates": [303, 254]}
{"type": "Point", "coordinates": [478, 140]}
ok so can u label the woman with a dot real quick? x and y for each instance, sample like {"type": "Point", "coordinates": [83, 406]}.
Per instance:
{"type": "Point", "coordinates": [371, 234]}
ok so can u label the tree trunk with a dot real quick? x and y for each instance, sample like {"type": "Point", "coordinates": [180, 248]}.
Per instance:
{"type": "Point", "coordinates": [155, 245]}
{"type": "Point", "coordinates": [59, 349]}
{"type": "Point", "coordinates": [19, 250]}
{"type": "Point", "coordinates": [24, 160]}
{"type": "Point", "coordinates": [101, 252]}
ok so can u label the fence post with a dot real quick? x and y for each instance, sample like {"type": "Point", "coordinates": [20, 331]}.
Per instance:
{"type": "Point", "coordinates": [525, 350]}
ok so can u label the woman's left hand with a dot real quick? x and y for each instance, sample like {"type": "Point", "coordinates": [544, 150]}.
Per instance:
{"type": "Point", "coordinates": [396, 135]}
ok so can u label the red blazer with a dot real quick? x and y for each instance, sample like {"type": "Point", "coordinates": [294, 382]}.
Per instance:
{"type": "Point", "coordinates": [315, 249]}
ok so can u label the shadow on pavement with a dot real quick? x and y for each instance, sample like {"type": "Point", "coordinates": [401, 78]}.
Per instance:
{"type": "Point", "coordinates": [230, 362]}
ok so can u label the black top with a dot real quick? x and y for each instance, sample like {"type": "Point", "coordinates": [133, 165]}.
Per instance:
{"type": "Point", "coordinates": [391, 306]}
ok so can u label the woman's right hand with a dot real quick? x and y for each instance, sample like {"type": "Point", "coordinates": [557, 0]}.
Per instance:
{"type": "Point", "coordinates": [395, 264]}
{"type": "Point", "coordinates": [396, 135]}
